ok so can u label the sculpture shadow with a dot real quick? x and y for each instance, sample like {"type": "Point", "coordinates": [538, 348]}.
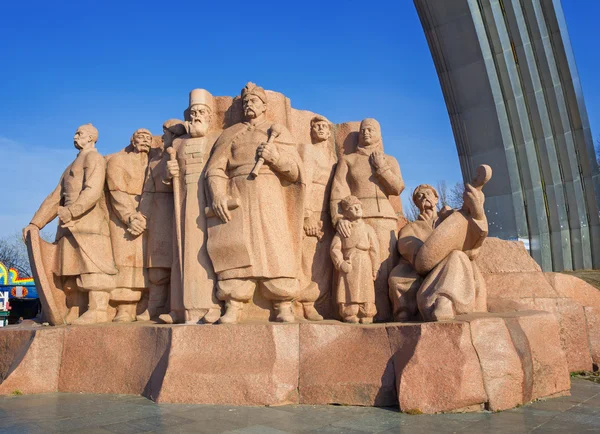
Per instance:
{"type": "Point", "coordinates": [403, 339]}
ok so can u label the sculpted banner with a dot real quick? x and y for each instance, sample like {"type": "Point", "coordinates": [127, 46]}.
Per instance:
{"type": "Point", "coordinates": [248, 209]}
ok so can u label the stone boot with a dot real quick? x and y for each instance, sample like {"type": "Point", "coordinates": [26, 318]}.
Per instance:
{"type": "Point", "coordinates": [212, 316]}
{"type": "Point", "coordinates": [72, 315]}
{"type": "Point", "coordinates": [125, 313]}
{"type": "Point", "coordinates": [284, 311]}
{"type": "Point", "coordinates": [233, 312]}
{"type": "Point", "coordinates": [97, 309]}
{"type": "Point", "coordinates": [310, 313]}
{"type": "Point", "coordinates": [173, 317]}
{"type": "Point", "coordinates": [442, 310]}
{"type": "Point", "coordinates": [157, 300]}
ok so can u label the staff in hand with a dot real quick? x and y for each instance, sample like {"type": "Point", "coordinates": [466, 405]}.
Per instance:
{"type": "Point", "coordinates": [274, 132]}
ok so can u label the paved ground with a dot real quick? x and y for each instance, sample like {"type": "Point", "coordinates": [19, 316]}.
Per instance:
{"type": "Point", "coordinates": [95, 414]}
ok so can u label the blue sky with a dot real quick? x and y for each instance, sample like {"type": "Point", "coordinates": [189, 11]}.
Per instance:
{"type": "Point", "coordinates": [127, 65]}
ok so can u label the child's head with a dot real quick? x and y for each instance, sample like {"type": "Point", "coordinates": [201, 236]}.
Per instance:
{"type": "Point", "coordinates": [352, 208]}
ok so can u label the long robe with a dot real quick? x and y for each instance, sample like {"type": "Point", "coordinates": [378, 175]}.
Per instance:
{"type": "Point", "coordinates": [157, 206]}
{"type": "Point", "coordinates": [271, 205]}
{"type": "Point", "coordinates": [361, 249]}
{"type": "Point", "coordinates": [317, 269]}
{"type": "Point", "coordinates": [196, 288]}
{"type": "Point", "coordinates": [125, 177]}
{"type": "Point", "coordinates": [84, 243]}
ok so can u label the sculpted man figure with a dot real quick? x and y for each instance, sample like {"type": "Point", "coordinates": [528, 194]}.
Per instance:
{"type": "Point", "coordinates": [260, 242]}
{"type": "Point", "coordinates": [85, 258]}
{"type": "Point", "coordinates": [356, 258]}
{"type": "Point", "coordinates": [442, 280]}
{"type": "Point", "coordinates": [193, 297]}
{"type": "Point", "coordinates": [372, 177]}
{"type": "Point", "coordinates": [157, 206]}
{"type": "Point", "coordinates": [317, 271]}
{"type": "Point", "coordinates": [125, 178]}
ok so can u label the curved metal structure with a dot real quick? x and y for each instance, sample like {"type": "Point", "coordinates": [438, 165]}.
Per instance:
{"type": "Point", "coordinates": [515, 102]}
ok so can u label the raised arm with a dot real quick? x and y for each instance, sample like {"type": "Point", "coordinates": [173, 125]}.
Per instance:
{"type": "Point", "coordinates": [48, 210]}
{"type": "Point", "coordinates": [339, 190]}
{"type": "Point", "coordinates": [390, 177]}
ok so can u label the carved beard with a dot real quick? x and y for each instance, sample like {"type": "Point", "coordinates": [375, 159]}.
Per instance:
{"type": "Point", "coordinates": [198, 129]}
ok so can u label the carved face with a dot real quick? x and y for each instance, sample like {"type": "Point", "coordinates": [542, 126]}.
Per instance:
{"type": "Point", "coordinates": [200, 117]}
{"type": "Point", "coordinates": [320, 131]}
{"type": "Point", "coordinates": [370, 133]}
{"type": "Point", "coordinates": [253, 107]}
{"type": "Point", "coordinates": [82, 138]}
{"type": "Point", "coordinates": [167, 137]}
{"type": "Point", "coordinates": [425, 199]}
{"type": "Point", "coordinates": [142, 142]}
{"type": "Point", "coordinates": [354, 212]}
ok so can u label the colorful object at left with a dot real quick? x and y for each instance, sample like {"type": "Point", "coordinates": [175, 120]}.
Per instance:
{"type": "Point", "coordinates": [16, 286]}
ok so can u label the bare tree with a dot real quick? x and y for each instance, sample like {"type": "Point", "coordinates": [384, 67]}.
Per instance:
{"type": "Point", "coordinates": [455, 197]}
{"type": "Point", "coordinates": [13, 253]}
{"type": "Point", "coordinates": [412, 213]}
{"type": "Point", "coordinates": [442, 189]}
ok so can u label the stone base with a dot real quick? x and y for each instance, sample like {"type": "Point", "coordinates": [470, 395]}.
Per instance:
{"type": "Point", "coordinates": [494, 361]}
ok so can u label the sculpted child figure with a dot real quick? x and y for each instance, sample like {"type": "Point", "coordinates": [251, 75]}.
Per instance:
{"type": "Point", "coordinates": [356, 258]}
{"type": "Point", "coordinates": [85, 257]}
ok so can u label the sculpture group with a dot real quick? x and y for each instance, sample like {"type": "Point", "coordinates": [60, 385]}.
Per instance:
{"type": "Point", "coordinates": [192, 227]}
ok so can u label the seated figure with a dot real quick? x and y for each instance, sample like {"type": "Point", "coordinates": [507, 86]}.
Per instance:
{"type": "Point", "coordinates": [356, 259]}
{"type": "Point", "coordinates": [436, 276]}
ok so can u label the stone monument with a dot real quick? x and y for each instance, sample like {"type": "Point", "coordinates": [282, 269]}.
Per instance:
{"type": "Point", "coordinates": [285, 217]}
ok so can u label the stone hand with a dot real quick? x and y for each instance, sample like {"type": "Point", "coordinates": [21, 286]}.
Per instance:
{"type": "Point", "coordinates": [377, 159]}
{"type": "Point", "coordinates": [221, 209]}
{"type": "Point", "coordinates": [30, 227]}
{"type": "Point", "coordinates": [344, 228]}
{"type": "Point", "coordinates": [64, 214]}
{"type": "Point", "coordinates": [346, 267]}
{"type": "Point", "coordinates": [312, 227]}
{"type": "Point", "coordinates": [473, 200]}
{"type": "Point", "coordinates": [375, 274]}
{"type": "Point", "coordinates": [268, 152]}
{"type": "Point", "coordinates": [137, 224]}
{"type": "Point", "coordinates": [172, 169]}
